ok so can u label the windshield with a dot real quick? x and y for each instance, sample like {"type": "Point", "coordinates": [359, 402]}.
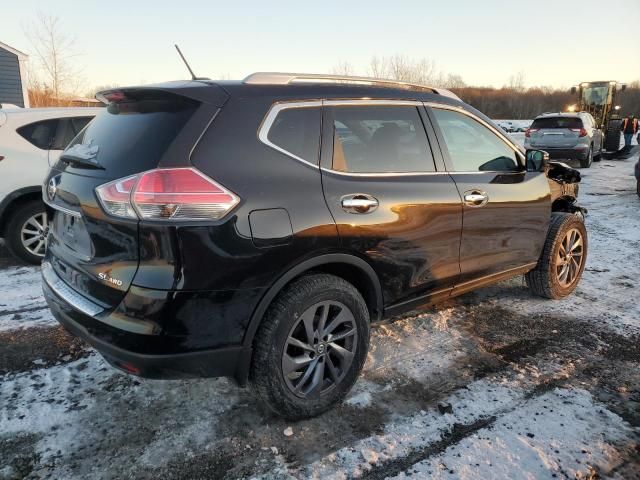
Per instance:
{"type": "Point", "coordinates": [595, 95]}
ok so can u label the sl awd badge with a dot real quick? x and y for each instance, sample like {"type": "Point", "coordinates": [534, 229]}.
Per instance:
{"type": "Point", "coordinates": [109, 279]}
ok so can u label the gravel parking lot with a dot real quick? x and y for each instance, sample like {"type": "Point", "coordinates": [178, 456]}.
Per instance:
{"type": "Point", "coordinates": [493, 384]}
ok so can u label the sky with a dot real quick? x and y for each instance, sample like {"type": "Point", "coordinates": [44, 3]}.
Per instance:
{"type": "Point", "coordinates": [552, 42]}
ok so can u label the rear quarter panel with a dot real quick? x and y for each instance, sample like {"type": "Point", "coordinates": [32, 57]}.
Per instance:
{"type": "Point", "coordinates": [223, 256]}
{"type": "Point", "coordinates": [23, 166]}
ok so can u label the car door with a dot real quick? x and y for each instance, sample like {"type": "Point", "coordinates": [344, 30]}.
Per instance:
{"type": "Point", "coordinates": [596, 133]}
{"type": "Point", "coordinates": [506, 210]}
{"type": "Point", "coordinates": [66, 130]}
{"type": "Point", "coordinates": [391, 206]}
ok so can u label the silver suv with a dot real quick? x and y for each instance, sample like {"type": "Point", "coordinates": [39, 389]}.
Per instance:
{"type": "Point", "coordinates": [566, 136]}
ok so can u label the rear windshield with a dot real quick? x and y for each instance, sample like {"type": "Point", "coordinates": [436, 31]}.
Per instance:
{"type": "Point", "coordinates": [131, 136]}
{"type": "Point", "coordinates": [557, 122]}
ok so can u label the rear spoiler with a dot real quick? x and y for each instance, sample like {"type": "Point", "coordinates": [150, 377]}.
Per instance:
{"type": "Point", "coordinates": [203, 92]}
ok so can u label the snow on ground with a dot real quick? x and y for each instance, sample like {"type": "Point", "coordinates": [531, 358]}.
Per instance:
{"type": "Point", "coordinates": [21, 302]}
{"type": "Point", "coordinates": [494, 384]}
{"type": "Point", "coordinates": [562, 431]}
{"type": "Point", "coordinates": [68, 408]}
{"type": "Point", "coordinates": [608, 290]}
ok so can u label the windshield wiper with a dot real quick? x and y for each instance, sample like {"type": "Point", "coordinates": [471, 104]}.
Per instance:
{"type": "Point", "coordinates": [82, 156]}
{"type": "Point", "coordinates": [75, 161]}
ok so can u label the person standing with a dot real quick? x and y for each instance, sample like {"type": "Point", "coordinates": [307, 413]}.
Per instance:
{"type": "Point", "coordinates": [629, 129]}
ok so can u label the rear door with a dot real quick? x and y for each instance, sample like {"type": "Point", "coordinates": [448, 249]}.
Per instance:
{"type": "Point", "coordinates": [96, 253]}
{"type": "Point", "coordinates": [555, 132]}
{"type": "Point", "coordinates": [506, 210]}
{"type": "Point", "coordinates": [391, 205]}
{"type": "Point", "coordinates": [594, 131]}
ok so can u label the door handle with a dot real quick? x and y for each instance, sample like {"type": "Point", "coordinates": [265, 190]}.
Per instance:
{"type": "Point", "coordinates": [476, 198]}
{"type": "Point", "coordinates": [359, 203]}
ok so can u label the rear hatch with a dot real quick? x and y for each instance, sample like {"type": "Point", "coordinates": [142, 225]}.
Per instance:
{"type": "Point", "coordinates": [94, 252]}
{"type": "Point", "coordinates": [555, 132]}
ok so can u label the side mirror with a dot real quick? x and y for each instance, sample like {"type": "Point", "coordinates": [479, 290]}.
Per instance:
{"type": "Point", "coordinates": [574, 90]}
{"type": "Point", "coordinates": [537, 160]}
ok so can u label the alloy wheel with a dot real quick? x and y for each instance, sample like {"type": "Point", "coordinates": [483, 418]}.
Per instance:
{"type": "Point", "coordinates": [33, 234]}
{"type": "Point", "coordinates": [319, 349]}
{"type": "Point", "coordinates": [569, 258]}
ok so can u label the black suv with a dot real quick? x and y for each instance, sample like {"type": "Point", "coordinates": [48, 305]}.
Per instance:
{"type": "Point", "coordinates": [254, 229]}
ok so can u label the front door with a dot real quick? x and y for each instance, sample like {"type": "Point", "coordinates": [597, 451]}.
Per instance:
{"type": "Point", "coordinates": [506, 210]}
{"type": "Point", "coordinates": [391, 206]}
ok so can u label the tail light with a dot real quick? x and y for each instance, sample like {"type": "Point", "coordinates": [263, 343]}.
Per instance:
{"type": "Point", "coordinates": [529, 131]}
{"type": "Point", "coordinates": [582, 131]}
{"type": "Point", "coordinates": [167, 194]}
{"type": "Point", "coordinates": [115, 197]}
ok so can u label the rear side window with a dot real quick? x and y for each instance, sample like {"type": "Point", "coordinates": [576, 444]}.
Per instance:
{"type": "Point", "coordinates": [40, 134]}
{"type": "Point", "coordinates": [132, 135]}
{"type": "Point", "coordinates": [557, 122]}
{"type": "Point", "coordinates": [297, 130]}
{"type": "Point", "coordinates": [380, 139]}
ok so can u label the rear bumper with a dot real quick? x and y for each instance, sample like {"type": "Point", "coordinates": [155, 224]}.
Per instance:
{"type": "Point", "coordinates": [564, 153]}
{"type": "Point", "coordinates": [150, 356]}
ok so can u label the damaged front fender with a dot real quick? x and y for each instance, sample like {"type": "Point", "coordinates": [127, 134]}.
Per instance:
{"type": "Point", "coordinates": [563, 182]}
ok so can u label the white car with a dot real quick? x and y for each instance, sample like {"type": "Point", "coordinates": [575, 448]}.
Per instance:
{"type": "Point", "coordinates": [31, 139]}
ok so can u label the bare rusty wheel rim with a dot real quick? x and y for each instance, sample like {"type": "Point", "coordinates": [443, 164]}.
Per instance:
{"type": "Point", "coordinates": [569, 258]}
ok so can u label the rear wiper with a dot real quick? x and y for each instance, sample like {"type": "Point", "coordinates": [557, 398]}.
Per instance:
{"type": "Point", "coordinates": [80, 155]}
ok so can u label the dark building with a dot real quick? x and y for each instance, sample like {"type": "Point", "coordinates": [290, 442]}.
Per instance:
{"type": "Point", "coordinates": [13, 76]}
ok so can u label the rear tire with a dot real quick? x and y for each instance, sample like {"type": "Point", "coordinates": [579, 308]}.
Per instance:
{"type": "Point", "coordinates": [598, 157]}
{"type": "Point", "coordinates": [293, 345]}
{"type": "Point", "coordinates": [26, 232]}
{"type": "Point", "coordinates": [612, 136]}
{"type": "Point", "coordinates": [586, 163]}
{"type": "Point", "coordinates": [562, 261]}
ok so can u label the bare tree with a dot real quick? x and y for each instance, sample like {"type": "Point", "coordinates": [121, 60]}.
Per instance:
{"type": "Point", "coordinates": [513, 101]}
{"type": "Point", "coordinates": [400, 67]}
{"type": "Point", "coordinates": [54, 52]}
{"type": "Point", "coordinates": [91, 93]}
{"type": "Point", "coordinates": [454, 81]}
{"type": "Point", "coordinates": [516, 82]}
{"type": "Point", "coordinates": [343, 68]}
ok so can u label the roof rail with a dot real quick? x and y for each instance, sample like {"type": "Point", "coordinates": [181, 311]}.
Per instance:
{"type": "Point", "coordinates": [279, 78]}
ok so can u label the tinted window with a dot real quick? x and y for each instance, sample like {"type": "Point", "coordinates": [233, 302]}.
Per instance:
{"type": "Point", "coordinates": [297, 130]}
{"type": "Point", "coordinates": [372, 139]}
{"type": "Point", "coordinates": [41, 134]}
{"type": "Point", "coordinates": [557, 122]}
{"type": "Point", "coordinates": [132, 136]}
{"type": "Point", "coordinates": [472, 146]}
{"type": "Point", "coordinates": [67, 129]}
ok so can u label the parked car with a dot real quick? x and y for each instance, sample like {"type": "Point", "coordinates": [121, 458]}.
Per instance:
{"type": "Point", "coordinates": [506, 126]}
{"type": "Point", "coordinates": [254, 229]}
{"type": "Point", "coordinates": [566, 135]}
{"type": "Point", "coordinates": [31, 139]}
